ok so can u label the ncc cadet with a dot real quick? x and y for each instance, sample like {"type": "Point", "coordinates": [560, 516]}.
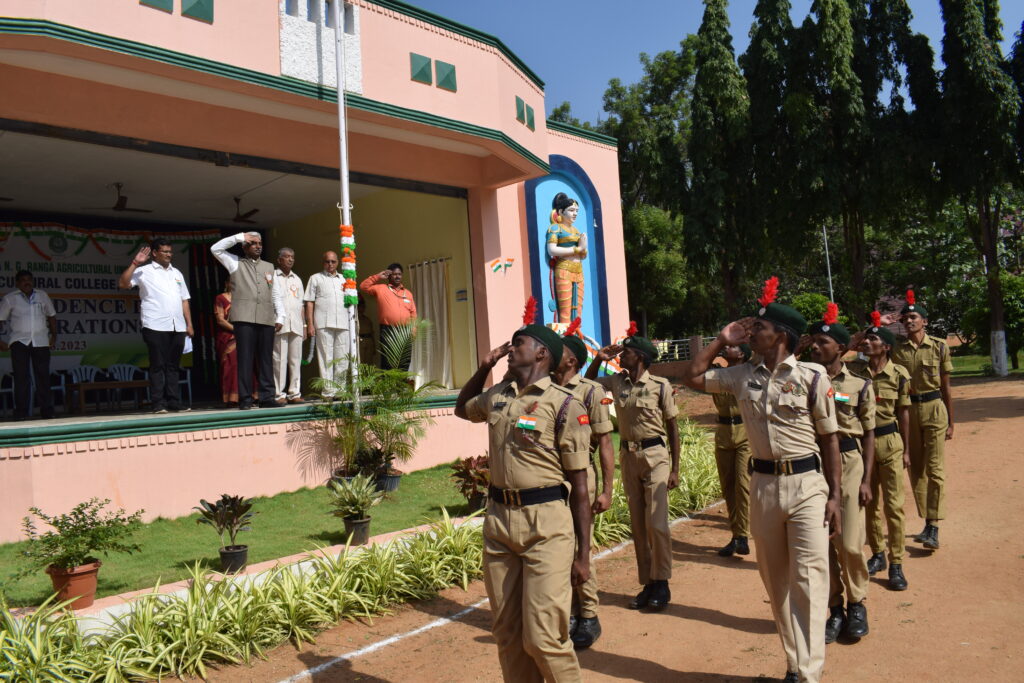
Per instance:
{"type": "Point", "coordinates": [732, 455]}
{"type": "Point", "coordinates": [788, 410]}
{"type": "Point", "coordinates": [892, 419]}
{"type": "Point", "coordinates": [584, 626]}
{"type": "Point", "coordinates": [855, 414]}
{"type": "Point", "coordinates": [648, 457]}
{"type": "Point", "coordinates": [927, 360]}
{"type": "Point", "coordinates": [536, 547]}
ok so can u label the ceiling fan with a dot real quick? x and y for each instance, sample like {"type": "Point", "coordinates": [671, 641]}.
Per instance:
{"type": "Point", "coordinates": [120, 204]}
{"type": "Point", "coordinates": [239, 217]}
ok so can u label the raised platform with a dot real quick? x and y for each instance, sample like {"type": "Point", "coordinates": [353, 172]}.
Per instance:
{"type": "Point", "coordinates": [165, 463]}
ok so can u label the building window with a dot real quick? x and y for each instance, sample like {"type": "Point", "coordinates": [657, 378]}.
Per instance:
{"type": "Point", "coordinates": [520, 110]}
{"type": "Point", "coordinates": [420, 68]}
{"type": "Point", "coordinates": [165, 5]}
{"type": "Point", "coordinates": [529, 117]}
{"type": "Point", "coordinates": [313, 10]}
{"type": "Point", "coordinates": [445, 73]}
{"type": "Point", "coordinates": [291, 8]}
{"type": "Point", "coordinates": [350, 19]}
{"type": "Point", "coordinates": [198, 9]}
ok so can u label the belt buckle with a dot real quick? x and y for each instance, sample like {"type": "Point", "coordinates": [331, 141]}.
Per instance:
{"type": "Point", "coordinates": [512, 497]}
{"type": "Point", "coordinates": [784, 467]}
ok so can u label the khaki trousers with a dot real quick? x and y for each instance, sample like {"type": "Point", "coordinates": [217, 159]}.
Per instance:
{"type": "Point", "coordinates": [528, 554]}
{"type": "Point", "coordinates": [734, 475]}
{"type": "Point", "coordinates": [645, 481]}
{"type": "Point", "coordinates": [928, 422]}
{"type": "Point", "coordinates": [846, 564]}
{"type": "Point", "coordinates": [584, 599]}
{"type": "Point", "coordinates": [287, 364]}
{"type": "Point", "coordinates": [787, 515]}
{"type": "Point", "coordinates": [887, 489]}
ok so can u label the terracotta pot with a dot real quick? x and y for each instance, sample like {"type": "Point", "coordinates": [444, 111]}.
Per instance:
{"type": "Point", "coordinates": [76, 582]}
{"type": "Point", "coordinates": [357, 531]}
{"type": "Point", "coordinates": [233, 558]}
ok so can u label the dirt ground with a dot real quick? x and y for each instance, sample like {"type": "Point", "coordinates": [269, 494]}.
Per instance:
{"type": "Point", "coordinates": [960, 620]}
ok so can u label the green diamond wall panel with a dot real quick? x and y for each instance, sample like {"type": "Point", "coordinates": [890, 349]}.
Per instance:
{"type": "Point", "coordinates": [420, 68]}
{"type": "Point", "coordinates": [445, 73]}
{"type": "Point", "coordinates": [198, 9]}
{"type": "Point", "coordinates": [165, 5]}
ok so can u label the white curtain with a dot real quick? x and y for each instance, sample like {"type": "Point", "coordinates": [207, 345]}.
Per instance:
{"type": "Point", "coordinates": [432, 357]}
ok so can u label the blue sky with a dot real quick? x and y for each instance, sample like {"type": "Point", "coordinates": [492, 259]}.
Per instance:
{"type": "Point", "coordinates": [576, 46]}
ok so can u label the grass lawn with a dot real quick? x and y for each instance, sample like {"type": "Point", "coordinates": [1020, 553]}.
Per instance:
{"type": "Point", "coordinates": [970, 366]}
{"type": "Point", "coordinates": [287, 524]}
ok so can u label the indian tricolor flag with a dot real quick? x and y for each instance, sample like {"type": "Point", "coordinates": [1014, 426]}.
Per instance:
{"type": "Point", "coordinates": [495, 265]}
{"type": "Point", "coordinates": [526, 422]}
{"type": "Point", "coordinates": [842, 398]}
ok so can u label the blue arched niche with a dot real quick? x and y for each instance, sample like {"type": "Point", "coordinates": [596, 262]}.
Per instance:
{"type": "Point", "coordinates": [569, 177]}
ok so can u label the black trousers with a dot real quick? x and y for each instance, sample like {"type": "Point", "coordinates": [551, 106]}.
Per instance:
{"type": "Point", "coordinates": [255, 346]}
{"type": "Point", "coordinates": [38, 358]}
{"type": "Point", "coordinates": [392, 336]}
{"type": "Point", "coordinates": [164, 360]}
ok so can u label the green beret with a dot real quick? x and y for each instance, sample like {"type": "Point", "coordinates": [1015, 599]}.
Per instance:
{"type": "Point", "coordinates": [783, 315]}
{"type": "Point", "coordinates": [884, 333]}
{"type": "Point", "coordinates": [546, 336]}
{"type": "Point", "coordinates": [837, 331]}
{"type": "Point", "coordinates": [643, 345]}
{"type": "Point", "coordinates": [577, 347]}
{"type": "Point", "coordinates": [915, 308]}
{"type": "Point", "coordinates": [747, 351]}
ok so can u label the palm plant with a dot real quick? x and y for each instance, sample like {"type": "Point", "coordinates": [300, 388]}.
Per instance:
{"type": "Point", "coordinates": [353, 499]}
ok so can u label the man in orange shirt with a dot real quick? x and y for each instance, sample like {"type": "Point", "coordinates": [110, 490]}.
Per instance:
{"type": "Point", "coordinates": [395, 311]}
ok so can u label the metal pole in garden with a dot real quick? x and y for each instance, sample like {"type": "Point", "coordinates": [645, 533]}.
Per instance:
{"type": "Point", "coordinates": [828, 265]}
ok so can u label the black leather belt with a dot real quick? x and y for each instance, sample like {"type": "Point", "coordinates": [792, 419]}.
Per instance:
{"type": "Point", "coordinates": [925, 398]}
{"type": "Point", "coordinates": [849, 444]}
{"type": "Point", "coordinates": [794, 466]}
{"type": "Point", "coordinates": [644, 443]}
{"type": "Point", "coordinates": [535, 496]}
{"type": "Point", "coordinates": [886, 429]}
{"type": "Point", "coordinates": [727, 420]}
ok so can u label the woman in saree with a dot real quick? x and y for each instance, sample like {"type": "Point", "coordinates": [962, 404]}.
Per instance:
{"type": "Point", "coordinates": [225, 345]}
{"type": "Point", "coordinates": [567, 247]}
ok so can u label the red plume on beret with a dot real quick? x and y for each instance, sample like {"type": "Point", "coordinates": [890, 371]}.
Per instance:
{"type": "Point", "coordinates": [530, 312]}
{"type": "Point", "coordinates": [574, 327]}
{"type": "Point", "coordinates": [771, 289]}
{"type": "Point", "coordinates": [632, 329]}
{"type": "Point", "coordinates": [876, 319]}
{"type": "Point", "coordinates": [831, 316]}
{"type": "Point", "coordinates": [911, 299]}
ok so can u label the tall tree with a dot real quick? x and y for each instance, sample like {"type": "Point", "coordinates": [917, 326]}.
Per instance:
{"type": "Point", "coordinates": [720, 157]}
{"type": "Point", "coordinates": [981, 105]}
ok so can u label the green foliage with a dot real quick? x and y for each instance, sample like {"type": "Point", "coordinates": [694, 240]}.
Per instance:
{"type": "Point", "coordinates": [977, 319]}
{"type": "Point", "coordinates": [472, 475]}
{"type": "Point", "coordinates": [78, 536]}
{"type": "Point", "coordinates": [563, 114]}
{"type": "Point", "coordinates": [229, 515]}
{"type": "Point", "coordinates": [657, 268]}
{"type": "Point", "coordinates": [43, 645]}
{"type": "Point", "coordinates": [353, 498]}
{"type": "Point", "coordinates": [811, 306]}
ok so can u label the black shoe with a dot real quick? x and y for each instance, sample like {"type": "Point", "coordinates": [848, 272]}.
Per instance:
{"type": "Point", "coordinates": [642, 598]}
{"type": "Point", "coordinates": [876, 563]}
{"type": "Point", "coordinates": [728, 549]}
{"type": "Point", "coordinates": [932, 539]}
{"type": "Point", "coordinates": [856, 621]}
{"type": "Point", "coordinates": [587, 632]}
{"type": "Point", "coordinates": [245, 406]}
{"type": "Point", "coordinates": [897, 582]}
{"type": "Point", "coordinates": [270, 404]}
{"type": "Point", "coordinates": [660, 596]}
{"type": "Point", "coordinates": [573, 623]}
{"type": "Point", "coordinates": [924, 534]}
{"type": "Point", "coordinates": [791, 677]}
{"type": "Point", "coordinates": [742, 546]}
{"type": "Point", "coordinates": [835, 623]}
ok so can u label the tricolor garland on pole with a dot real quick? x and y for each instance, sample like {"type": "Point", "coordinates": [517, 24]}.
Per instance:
{"type": "Point", "coordinates": [348, 264]}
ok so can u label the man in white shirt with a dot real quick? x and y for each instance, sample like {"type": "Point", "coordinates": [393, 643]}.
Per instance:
{"type": "Point", "coordinates": [166, 319]}
{"type": "Point", "coordinates": [288, 339]}
{"type": "Point", "coordinates": [327, 322]}
{"type": "Point", "coordinates": [257, 312]}
{"type": "Point", "coordinates": [32, 331]}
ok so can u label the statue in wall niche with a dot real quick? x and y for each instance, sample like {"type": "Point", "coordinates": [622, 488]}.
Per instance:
{"type": "Point", "coordinates": [567, 247]}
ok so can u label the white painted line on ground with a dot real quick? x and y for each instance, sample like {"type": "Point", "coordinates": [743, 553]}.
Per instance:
{"type": "Point", "coordinates": [320, 668]}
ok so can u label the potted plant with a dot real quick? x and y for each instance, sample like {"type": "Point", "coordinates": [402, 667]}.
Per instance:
{"type": "Point", "coordinates": [352, 501]}
{"type": "Point", "coordinates": [229, 515]}
{"type": "Point", "coordinates": [473, 477]}
{"type": "Point", "coordinates": [68, 551]}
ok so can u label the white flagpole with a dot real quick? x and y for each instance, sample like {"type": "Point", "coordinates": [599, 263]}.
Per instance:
{"type": "Point", "coordinates": [346, 207]}
{"type": "Point", "coordinates": [828, 264]}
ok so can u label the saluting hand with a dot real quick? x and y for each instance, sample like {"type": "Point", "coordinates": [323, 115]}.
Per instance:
{"type": "Point", "coordinates": [609, 352]}
{"type": "Point", "coordinates": [141, 257]}
{"type": "Point", "coordinates": [805, 343]}
{"type": "Point", "coordinates": [736, 333]}
{"type": "Point", "coordinates": [494, 355]}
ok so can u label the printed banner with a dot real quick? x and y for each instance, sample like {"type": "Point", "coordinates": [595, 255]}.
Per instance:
{"type": "Point", "coordinates": [97, 323]}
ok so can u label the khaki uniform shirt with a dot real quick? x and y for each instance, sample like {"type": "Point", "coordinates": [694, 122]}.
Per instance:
{"type": "Point", "coordinates": [891, 386]}
{"type": "Point", "coordinates": [728, 436]}
{"type": "Point", "coordinates": [643, 408]}
{"type": "Point", "coordinates": [591, 395]}
{"type": "Point", "coordinates": [525, 451]}
{"type": "Point", "coordinates": [924, 362]}
{"type": "Point", "coordinates": [781, 420]}
{"type": "Point", "coordinates": [855, 404]}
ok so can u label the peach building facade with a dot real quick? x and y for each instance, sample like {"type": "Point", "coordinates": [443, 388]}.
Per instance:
{"type": "Point", "coordinates": [191, 103]}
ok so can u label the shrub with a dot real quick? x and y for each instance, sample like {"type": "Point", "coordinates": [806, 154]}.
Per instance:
{"type": "Point", "coordinates": [472, 475]}
{"type": "Point", "coordinates": [79, 535]}
{"type": "Point", "coordinates": [353, 499]}
{"type": "Point", "coordinates": [229, 515]}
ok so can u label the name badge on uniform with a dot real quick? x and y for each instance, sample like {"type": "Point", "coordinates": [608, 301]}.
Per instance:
{"type": "Point", "coordinates": [270, 279]}
{"type": "Point", "coordinates": [499, 406]}
{"type": "Point", "coordinates": [842, 398]}
{"type": "Point", "coordinates": [754, 385]}
{"type": "Point", "coordinates": [527, 422]}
